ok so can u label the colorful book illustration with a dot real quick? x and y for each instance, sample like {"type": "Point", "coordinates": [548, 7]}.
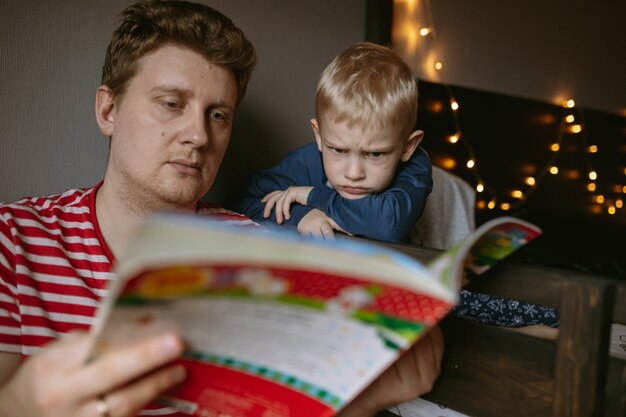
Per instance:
{"type": "Point", "coordinates": [277, 324]}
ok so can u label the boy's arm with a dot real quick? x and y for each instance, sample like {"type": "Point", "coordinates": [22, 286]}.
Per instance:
{"type": "Point", "coordinates": [253, 206]}
{"type": "Point", "coordinates": [387, 216]}
{"type": "Point", "coordinates": [298, 168]}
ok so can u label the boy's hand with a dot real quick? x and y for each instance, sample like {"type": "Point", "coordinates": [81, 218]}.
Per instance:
{"type": "Point", "coordinates": [282, 200]}
{"type": "Point", "coordinates": [317, 223]}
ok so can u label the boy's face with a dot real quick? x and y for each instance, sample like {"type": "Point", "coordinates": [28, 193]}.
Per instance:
{"type": "Point", "coordinates": [359, 162]}
{"type": "Point", "coordinates": [170, 129]}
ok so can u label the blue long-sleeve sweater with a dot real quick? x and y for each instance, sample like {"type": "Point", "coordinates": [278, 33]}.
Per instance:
{"type": "Point", "coordinates": [387, 216]}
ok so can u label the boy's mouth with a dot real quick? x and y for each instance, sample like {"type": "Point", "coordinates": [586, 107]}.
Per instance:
{"type": "Point", "coordinates": [355, 190]}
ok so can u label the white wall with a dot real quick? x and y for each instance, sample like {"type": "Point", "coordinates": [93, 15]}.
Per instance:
{"type": "Point", "coordinates": [52, 51]}
{"type": "Point", "coordinates": [549, 50]}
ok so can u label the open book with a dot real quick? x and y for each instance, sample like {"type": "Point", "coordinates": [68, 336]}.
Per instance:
{"type": "Point", "coordinates": [277, 324]}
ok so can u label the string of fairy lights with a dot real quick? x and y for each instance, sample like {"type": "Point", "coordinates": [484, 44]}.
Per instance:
{"type": "Point", "coordinates": [571, 123]}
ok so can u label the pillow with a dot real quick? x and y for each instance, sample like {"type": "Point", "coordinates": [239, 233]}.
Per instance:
{"type": "Point", "coordinates": [448, 214]}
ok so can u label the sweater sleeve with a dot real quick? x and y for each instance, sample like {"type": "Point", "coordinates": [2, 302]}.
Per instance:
{"type": "Point", "coordinates": [301, 167]}
{"type": "Point", "coordinates": [389, 215]}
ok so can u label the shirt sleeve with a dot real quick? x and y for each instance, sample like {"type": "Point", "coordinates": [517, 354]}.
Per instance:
{"type": "Point", "coordinates": [389, 215]}
{"type": "Point", "coordinates": [10, 338]}
{"type": "Point", "coordinates": [302, 167]}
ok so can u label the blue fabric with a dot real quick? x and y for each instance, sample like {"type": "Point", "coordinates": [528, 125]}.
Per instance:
{"type": "Point", "coordinates": [387, 216]}
{"type": "Point", "coordinates": [500, 311]}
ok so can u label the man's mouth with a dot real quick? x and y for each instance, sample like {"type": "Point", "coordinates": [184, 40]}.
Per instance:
{"type": "Point", "coordinates": [185, 167]}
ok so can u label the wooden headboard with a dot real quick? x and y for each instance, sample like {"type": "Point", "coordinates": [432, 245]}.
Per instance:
{"type": "Point", "coordinates": [491, 371]}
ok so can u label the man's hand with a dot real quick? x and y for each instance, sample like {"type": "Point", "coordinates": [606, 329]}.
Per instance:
{"type": "Point", "coordinates": [317, 223]}
{"type": "Point", "coordinates": [282, 200]}
{"type": "Point", "coordinates": [57, 382]}
{"type": "Point", "coordinates": [411, 376]}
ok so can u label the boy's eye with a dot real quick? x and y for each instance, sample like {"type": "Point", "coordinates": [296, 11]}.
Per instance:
{"type": "Point", "coordinates": [337, 150]}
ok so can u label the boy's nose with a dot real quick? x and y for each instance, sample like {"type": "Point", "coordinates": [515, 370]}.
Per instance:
{"type": "Point", "coordinates": [355, 169]}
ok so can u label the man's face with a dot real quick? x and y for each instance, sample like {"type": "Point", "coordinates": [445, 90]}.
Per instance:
{"type": "Point", "coordinates": [170, 129]}
{"type": "Point", "coordinates": [359, 162]}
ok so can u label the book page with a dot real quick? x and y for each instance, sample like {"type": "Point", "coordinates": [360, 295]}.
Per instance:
{"type": "Point", "coordinates": [491, 242]}
{"type": "Point", "coordinates": [275, 325]}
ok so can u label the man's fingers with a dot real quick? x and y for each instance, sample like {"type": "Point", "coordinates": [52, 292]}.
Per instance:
{"type": "Point", "coordinates": [71, 349]}
{"type": "Point", "coordinates": [117, 367]}
{"type": "Point", "coordinates": [437, 346]}
{"type": "Point", "coordinates": [129, 400]}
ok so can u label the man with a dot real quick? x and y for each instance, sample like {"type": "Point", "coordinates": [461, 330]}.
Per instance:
{"type": "Point", "coordinates": [174, 73]}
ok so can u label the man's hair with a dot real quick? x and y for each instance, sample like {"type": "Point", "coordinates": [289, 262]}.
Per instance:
{"type": "Point", "coordinates": [148, 25]}
{"type": "Point", "coordinates": [368, 85]}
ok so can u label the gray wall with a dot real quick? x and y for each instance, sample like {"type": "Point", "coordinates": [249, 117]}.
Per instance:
{"type": "Point", "coordinates": [51, 53]}
{"type": "Point", "coordinates": [549, 50]}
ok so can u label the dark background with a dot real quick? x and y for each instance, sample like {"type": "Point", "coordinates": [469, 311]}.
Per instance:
{"type": "Point", "coordinates": [510, 139]}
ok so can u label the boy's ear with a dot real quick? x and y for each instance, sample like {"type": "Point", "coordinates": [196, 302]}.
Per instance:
{"type": "Point", "coordinates": [411, 144]}
{"type": "Point", "coordinates": [105, 110]}
{"type": "Point", "coordinates": [316, 132]}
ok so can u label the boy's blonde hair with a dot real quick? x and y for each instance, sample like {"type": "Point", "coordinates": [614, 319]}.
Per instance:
{"type": "Point", "coordinates": [368, 85]}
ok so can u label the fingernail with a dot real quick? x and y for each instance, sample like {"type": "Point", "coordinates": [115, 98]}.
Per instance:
{"type": "Point", "coordinates": [170, 345]}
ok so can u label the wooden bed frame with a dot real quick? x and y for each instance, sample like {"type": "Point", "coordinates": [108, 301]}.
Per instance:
{"type": "Point", "coordinates": [491, 371]}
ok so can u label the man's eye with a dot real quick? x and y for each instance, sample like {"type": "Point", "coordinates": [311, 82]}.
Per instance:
{"type": "Point", "coordinates": [172, 105]}
{"type": "Point", "coordinates": [375, 154]}
{"type": "Point", "coordinates": [338, 150]}
{"type": "Point", "coordinates": [216, 115]}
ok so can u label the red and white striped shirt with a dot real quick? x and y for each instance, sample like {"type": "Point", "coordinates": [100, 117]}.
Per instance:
{"type": "Point", "coordinates": [55, 266]}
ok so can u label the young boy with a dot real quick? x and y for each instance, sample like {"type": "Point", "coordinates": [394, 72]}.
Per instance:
{"type": "Point", "coordinates": [365, 174]}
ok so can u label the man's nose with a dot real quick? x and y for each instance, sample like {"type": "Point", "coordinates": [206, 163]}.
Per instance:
{"type": "Point", "coordinates": [196, 130]}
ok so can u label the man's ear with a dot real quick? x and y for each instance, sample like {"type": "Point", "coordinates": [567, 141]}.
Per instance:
{"type": "Point", "coordinates": [105, 110]}
{"type": "Point", "coordinates": [316, 132]}
{"type": "Point", "coordinates": [411, 144]}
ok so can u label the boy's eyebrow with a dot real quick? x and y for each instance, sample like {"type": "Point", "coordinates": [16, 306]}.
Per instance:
{"type": "Point", "coordinates": [382, 149]}
{"type": "Point", "coordinates": [330, 143]}
{"type": "Point", "coordinates": [379, 149]}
